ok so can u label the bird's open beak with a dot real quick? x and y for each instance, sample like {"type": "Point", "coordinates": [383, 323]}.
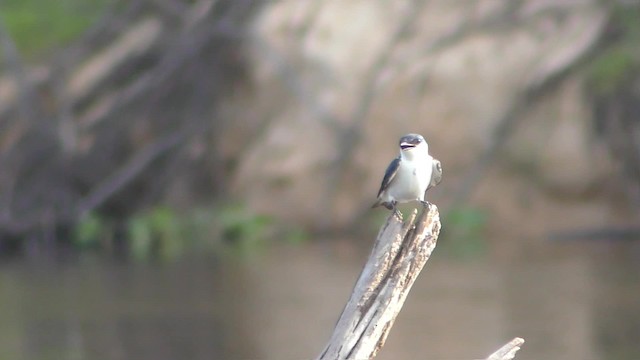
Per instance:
{"type": "Point", "coordinates": [406, 146]}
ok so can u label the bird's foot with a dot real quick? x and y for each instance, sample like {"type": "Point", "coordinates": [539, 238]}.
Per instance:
{"type": "Point", "coordinates": [396, 212]}
{"type": "Point", "coordinates": [425, 203]}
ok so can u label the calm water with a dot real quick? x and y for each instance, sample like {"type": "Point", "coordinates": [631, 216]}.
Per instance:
{"type": "Point", "coordinates": [569, 301]}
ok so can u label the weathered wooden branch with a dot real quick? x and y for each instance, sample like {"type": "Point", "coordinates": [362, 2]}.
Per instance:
{"type": "Point", "coordinates": [508, 351]}
{"type": "Point", "coordinates": [399, 254]}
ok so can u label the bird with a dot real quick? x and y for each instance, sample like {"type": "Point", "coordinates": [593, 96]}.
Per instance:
{"type": "Point", "coordinates": [410, 175]}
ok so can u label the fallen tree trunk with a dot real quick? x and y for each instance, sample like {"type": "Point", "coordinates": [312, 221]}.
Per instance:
{"type": "Point", "coordinates": [399, 254]}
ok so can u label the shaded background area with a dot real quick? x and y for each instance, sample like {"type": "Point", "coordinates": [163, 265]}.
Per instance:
{"type": "Point", "coordinates": [193, 178]}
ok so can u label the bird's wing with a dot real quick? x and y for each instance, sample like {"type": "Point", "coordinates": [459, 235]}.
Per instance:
{"type": "Point", "coordinates": [391, 172]}
{"type": "Point", "coordinates": [436, 173]}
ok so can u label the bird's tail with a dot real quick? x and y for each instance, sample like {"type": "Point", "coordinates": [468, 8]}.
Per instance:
{"type": "Point", "coordinates": [376, 204]}
{"type": "Point", "coordinates": [380, 202]}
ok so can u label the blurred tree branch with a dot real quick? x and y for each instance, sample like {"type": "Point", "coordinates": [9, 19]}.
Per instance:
{"type": "Point", "coordinates": [549, 75]}
{"type": "Point", "coordinates": [348, 139]}
{"type": "Point", "coordinates": [113, 108]}
{"type": "Point", "coordinates": [129, 171]}
{"type": "Point", "coordinates": [25, 97]}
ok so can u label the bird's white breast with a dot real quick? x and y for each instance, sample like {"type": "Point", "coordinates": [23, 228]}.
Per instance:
{"type": "Point", "coordinates": [412, 179]}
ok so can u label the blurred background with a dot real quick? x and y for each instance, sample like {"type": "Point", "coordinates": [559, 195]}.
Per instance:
{"type": "Point", "coordinates": [192, 178]}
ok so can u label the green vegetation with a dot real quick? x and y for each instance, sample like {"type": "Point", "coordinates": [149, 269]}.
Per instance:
{"type": "Point", "coordinates": [163, 233]}
{"type": "Point", "coordinates": [156, 233]}
{"type": "Point", "coordinates": [615, 66]}
{"type": "Point", "coordinates": [463, 232]}
{"type": "Point", "coordinates": [296, 235]}
{"type": "Point", "coordinates": [90, 231]}
{"type": "Point", "coordinates": [245, 231]}
{"type": "Point", "coordinates": [37, 26]}
{"type": "Point", "coordinates": [611, 70]}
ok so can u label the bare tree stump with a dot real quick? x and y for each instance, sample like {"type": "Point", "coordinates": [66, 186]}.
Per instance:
{"type": "Point", "coordinates": [398, 255]}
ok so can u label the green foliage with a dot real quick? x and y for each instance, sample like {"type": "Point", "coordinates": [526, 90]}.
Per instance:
{"type": "Point", "coordinates": [296, 236]}
{"type": "Point", "coordinates": [39, 25]}
{"type": "Point", "coordinates": [245, 231]}
{"type": "Point", "coordinates": [157, 232]}
{"type": "Point", "coordinates": [615, 66]}
{"type": "Point", "coordinates": [463, 232]}
{"type": "Point", "coordinates": [233, 229]}
{"type": "Point", "coordinates": [90, 231]}
{"type": "Point", "coordinates": [199, 224]}
{"type": "Point", "coordinates": [611, 69]}
{"type": "Point", "coordinates": [165, 234]}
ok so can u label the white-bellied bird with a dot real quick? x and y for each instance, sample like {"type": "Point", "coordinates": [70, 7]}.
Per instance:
{"type": "Point", "coordinates": [410, 175]}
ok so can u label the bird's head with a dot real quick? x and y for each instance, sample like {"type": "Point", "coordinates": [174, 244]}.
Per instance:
{"type": "Point", "coordinates": [413, 143]}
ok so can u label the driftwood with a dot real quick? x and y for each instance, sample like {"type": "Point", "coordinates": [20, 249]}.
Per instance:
{"type": "Point", "coordinates": [399, 253]}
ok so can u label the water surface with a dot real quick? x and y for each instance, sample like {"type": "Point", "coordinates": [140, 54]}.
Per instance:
{"type": "Point", "coordinates": [569, 301]}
